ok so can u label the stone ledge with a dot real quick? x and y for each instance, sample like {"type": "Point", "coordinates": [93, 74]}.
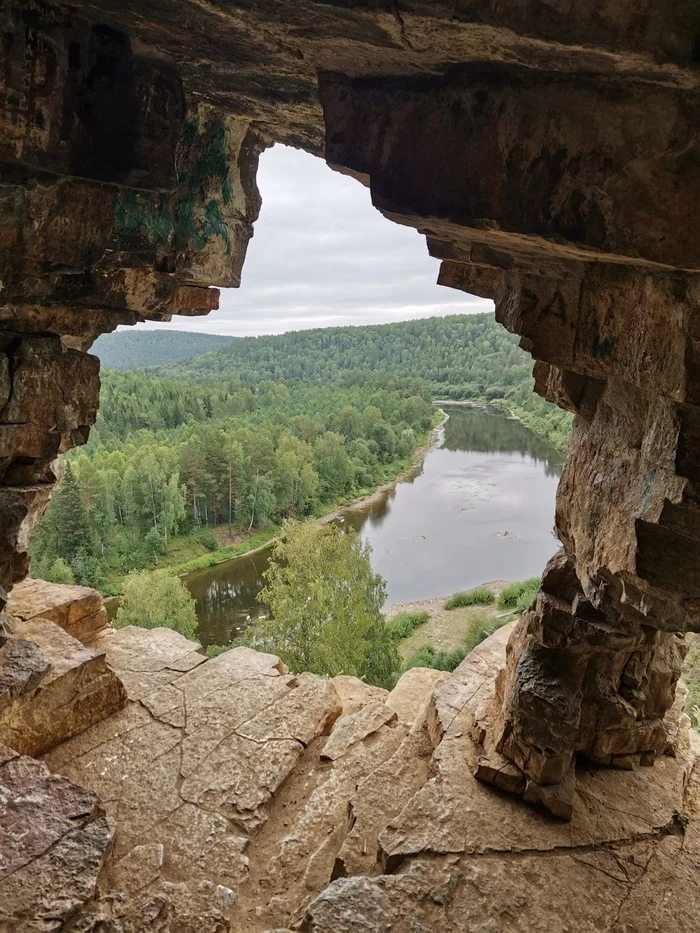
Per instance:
{"type": "Point", "coordinates": [78, 610]}
{"type": "Point", "coordinates": [230, 817]}
{"type": "Point", "coordinates": [74, 689]}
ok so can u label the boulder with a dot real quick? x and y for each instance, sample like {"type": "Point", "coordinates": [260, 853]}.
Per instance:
{"type": "Point", "coordinates": [52, 687]}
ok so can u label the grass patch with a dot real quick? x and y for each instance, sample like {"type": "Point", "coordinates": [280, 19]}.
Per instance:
{"type": "Point", "coordinates": [404, 623]}
{"type": "Point", "coordinates": [482, 596]}
{"type": "Point", "coordinates": [518, 596]}
{"type": "Point", "coordinates": [479, 627]}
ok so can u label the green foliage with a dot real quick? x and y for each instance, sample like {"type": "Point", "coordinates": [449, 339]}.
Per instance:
{"type": "Point", "coordinates": [382, 662]}
{"type": "Point", "coordinates": [459, 357]}
{"type": "Point", "coordinates": [479, 627]}
{"type": "Point", "coordinates": [169, 460]}
{"type": "Point", "coordinates": [213, 651]}
{"type": "Point", "coordinates": [325, 603]}
{"type": "Point", "coordinates": [208, 538]}
{"type": "Point", "coordinates": [60, 572]}
{"type": "Point", "coordinates": [481, 596]}
{"type": "Point", "coordinates": [691, 676]}
{"type": "Point", "coordinates": [263, 430]}
{"type": "Point", "coordinates": [404, 623]}
{"type": "Point", "coordinates": [139, 349]}
{"type": "Point", "coordinates": [155, 600]}
{"type": "Point", "coordinates": [518, 596]}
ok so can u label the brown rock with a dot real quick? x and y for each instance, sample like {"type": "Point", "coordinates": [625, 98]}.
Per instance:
{"type": "Point", "coordinates": [355, 728]}
{"type": "Point", "coordinates": [68, 688]}
{"type": "Point", "coordinates": [412, 692]}
{"type": "Point", "coordinates": [145, 659]}
{"type": "Point", "coordinates": [53, 841]}
{"type": "Point", "coordinates": [77, 609]}
{"type": "Point", "coordinates": [355, 693]}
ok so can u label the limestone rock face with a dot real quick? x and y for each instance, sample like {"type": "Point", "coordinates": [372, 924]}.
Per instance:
{"type": "Point", "coordinates": [78, 610]}
{"type": "Point", "coordinates": [413, 690]}
{"type": "Point", "coordinates": [221, 811]}
{"type": "Point", "coordinates": [518, 138]}
{"type": "Point", "coordinates": [52, 687]}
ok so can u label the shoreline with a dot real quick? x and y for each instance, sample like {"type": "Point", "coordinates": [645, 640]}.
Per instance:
{"type": "Point", "coordinates": [211, 560]}
{"type": "Point", "coordinates": [437, 602]}
{"type": "Point", "coordinates": [417, 457]}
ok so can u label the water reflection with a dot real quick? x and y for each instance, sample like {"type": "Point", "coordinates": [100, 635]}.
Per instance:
{"type": "Point", "coordinates": [226, 596]}
{"type": "Point", "coordinates": [479, 508]}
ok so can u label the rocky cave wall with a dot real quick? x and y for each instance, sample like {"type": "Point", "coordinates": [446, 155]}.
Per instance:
{"type": "Point", "coordinates": [549, 153]}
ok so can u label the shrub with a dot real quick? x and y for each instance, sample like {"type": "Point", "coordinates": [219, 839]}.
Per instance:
{"type": "Point", "coordinates": [60, 572]}
{"type": "Point", "coordinates": [518, 595]}
{"type": "Point", "coordinates": [157, 600]}
{"type": "Point", "coordinates": [478, 597]}
{"type": "Point", "coordinates": [404, 623]}
{"type": "Point", "coordinates": [381, 662]}
{"type": "Point", "coordinates": [213, 651]}
{"type": "Point", "coordinates": [691, 676]}
{"type": "Point", "coordinates": [207, 538]}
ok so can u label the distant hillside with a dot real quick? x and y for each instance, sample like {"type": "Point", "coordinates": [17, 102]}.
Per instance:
{"type": "Point", "coordinates": [463, 355]}
{"type": "Point", "coordinates": [466, 356]}
{"type": "Point", "coordinates": [130, 349]}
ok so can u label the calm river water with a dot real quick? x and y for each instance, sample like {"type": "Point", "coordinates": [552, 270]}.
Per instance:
{"type": "Point", "coordinates": [480, 508]}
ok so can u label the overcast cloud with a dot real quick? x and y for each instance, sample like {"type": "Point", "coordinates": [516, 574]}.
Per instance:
{"type": "Point", "coordinates": [322, 256]}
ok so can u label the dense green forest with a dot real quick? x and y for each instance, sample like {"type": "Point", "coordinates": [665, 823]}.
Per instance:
{"type": "Point", "coordinates": [460, 357]}
{"type": "Point", "coordinates": [138, 349]}
{"type": "Point", "coordinates": [191, 457]}
{"type": "Point", "coordinates": [170, 464]}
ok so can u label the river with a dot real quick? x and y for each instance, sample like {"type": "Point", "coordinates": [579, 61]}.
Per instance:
{"type": "Point", "coordinates": [480, 507]}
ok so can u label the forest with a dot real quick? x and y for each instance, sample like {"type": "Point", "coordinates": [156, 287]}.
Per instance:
{"type": "Point", "coordinates": [130, 349]}
{"type": "Point", "coordinates": [173, 470]}
{"type": "Point", "coordinates": [213, 452]}
{"type": "Point", "coordinates": [466, 356]}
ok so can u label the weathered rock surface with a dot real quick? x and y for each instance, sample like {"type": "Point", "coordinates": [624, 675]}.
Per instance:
{"type": "Point", "coordinates": [355, 694]}
{"type": "Point", "coordinates": [412, 692]}
{"type": "Point", "coordinates": [54, 839]}
{"type": "Point", "coordinates": [79, 610]}
{"type": "Point", "coordinates": [226, 814]}
{"type": "Point", "coordinates": [52, 687]}
{"type": "Point", "coordinates": [518, 138]}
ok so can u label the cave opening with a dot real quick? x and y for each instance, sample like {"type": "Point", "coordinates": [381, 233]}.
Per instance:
{"type": "Point", "coordinates": [552, 164]}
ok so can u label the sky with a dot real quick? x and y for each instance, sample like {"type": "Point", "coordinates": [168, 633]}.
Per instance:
{"type": "Point", "coordinates": [322, 256]}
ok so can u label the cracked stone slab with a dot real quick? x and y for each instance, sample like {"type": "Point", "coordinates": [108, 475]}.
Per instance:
{"type": "Point", "coordinates": [306, 857]}
{"type": "Point", "coordinates": [303, 713]}
{"type": "Point", "coordinates": [187, 772]}
{"type": "Point", "coordinates": [378, 799]}
{"type": "Point", "coordinates": [146, 659]}
{"type": "Point", "coordinates": [355, 728]}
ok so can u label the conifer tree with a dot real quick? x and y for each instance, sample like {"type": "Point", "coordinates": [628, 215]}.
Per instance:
{"type": "Point", "coordinates": [69, 518]}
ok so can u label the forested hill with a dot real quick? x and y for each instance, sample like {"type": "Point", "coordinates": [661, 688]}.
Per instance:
{"type": "Point", "coordinates": [468, 356]}
{"type": "Point", "coordinates": [131, 349]}
{"type": "Point", "coordinates": [461, 356]}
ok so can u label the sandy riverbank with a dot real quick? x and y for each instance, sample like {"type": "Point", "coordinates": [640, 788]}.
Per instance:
{"type": "Point", "coordinates": [445, 628]}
